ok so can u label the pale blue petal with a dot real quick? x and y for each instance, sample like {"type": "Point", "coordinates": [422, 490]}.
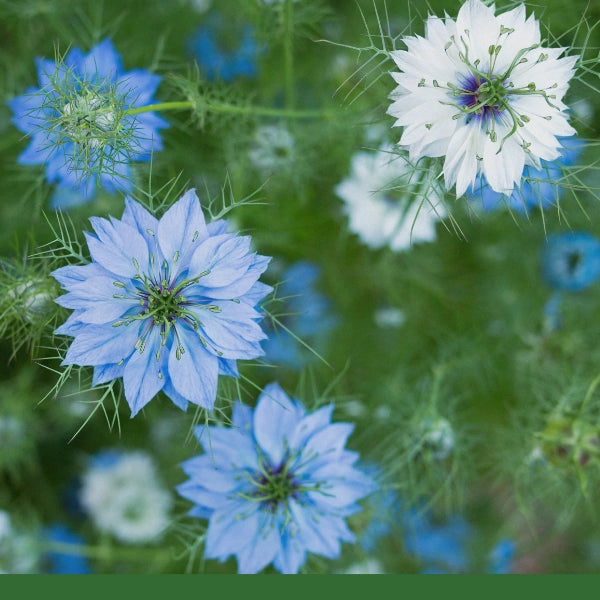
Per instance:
{"type": "Point", "coordinates": [275, 419]}
{"type": "Point", "coordinates": [194, 374]}
{"type": "Point", "coordinates": [311, 532]}
{"type": "Point", "coordinates": [40, 151]}
{"type": "Point", "coordinates": [310, 424]}
{"type": "Point", "coordinates": [225, 258]}
{"type": "Point", "coordinates": [73, 274]}
{"type": "Point", "coordinates": [228, 367]}
{"type": "Point", "coordinates": [139, 86]}
{"type": "Point", "coordinates": [231, 331]}
{"type": "Point", "coordinates": [176, 398]}
{"type": "Point", "coordinates": [118, 247]}
{"type": "Point", "coordinates": [233, 522]}
{"type": "Point", "coordinates": [28, 112]}
{"type": "Point", "coordinates": [137, 216]}
{"type": "Point", "coordinates": [99, 345]}
{"type": "Point", "coordinates": [182, 227]}
{"type": "Point", "coordinates": [102, 63]}
{"type": "Point", "coordinates": [105, 373]}
{"type": "Point", "coordinates": [142, 377]}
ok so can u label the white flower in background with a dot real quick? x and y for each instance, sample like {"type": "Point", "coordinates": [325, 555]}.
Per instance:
{"type": "Point", "coordinates": [389, 317]}
{"type": "Point", "coordinates": [123, 496]}
{"type": "Point", "coordinates": [19, 552]}
{"type": "Point", "coordinates": [371, 566]}
{"type": "Point", "coordinates": [272, 148]}
{"type": "Point", "coordinates": [389, 202]}
{"type": "Point", "coordinates": [483, 92]}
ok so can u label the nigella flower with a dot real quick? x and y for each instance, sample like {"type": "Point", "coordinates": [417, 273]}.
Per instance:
{"type": "Point", "coordinates": [122, 494]}
{"type": "Point", "coordinates": [389, 202]}
{"type": "Point", "coordinates": [276, 485]}
{"type": "Point", "coordinates": [79, 122]}
{"type": "Point", "coordinates": [167, 304]}
{"type": "Point", "coordinates": [306, 313]}
{"type": "Point", "coordinates": [539, 188]}
{"type": "Point", "coordinates": [273, 149]}
{"type": "Point", "coordinates": [571, 261]}
{"type": "Point", "coordinates": [214, 60]}
{"type": "Point", "coordinates": [484, 93]}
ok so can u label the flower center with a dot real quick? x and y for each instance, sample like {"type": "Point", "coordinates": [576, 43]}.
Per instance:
{"type": "Point", "coordinates": [163, 305]}
{"type": "Point", "coordinates": [274, 486]}
{"type": "Point", "coordinates": [483, 96]}
{"type": "Point", "coordinates": [87, 122]}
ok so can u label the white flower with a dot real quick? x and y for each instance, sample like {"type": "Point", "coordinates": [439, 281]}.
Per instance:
{"type": "Point", "coordinates": [272, 148]}
{"type": "Point", "coordinates": [389, 317]}
{"type": "Point", "coordinates": [390, 202]}
{"type": "Point", "coordinates": [484, 93]}
{"type": "Point", "coordinates": [123, 496]}
{"type": "Point", "coordinates": [371, 566]}
{"type": "Point", "coordinates": [19, 552]}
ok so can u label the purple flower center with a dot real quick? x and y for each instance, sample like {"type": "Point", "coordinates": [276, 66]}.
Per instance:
{"type": "Point", "coordinates": [275, 485]}
{"type": "Point", "coordinates": [482, 97]}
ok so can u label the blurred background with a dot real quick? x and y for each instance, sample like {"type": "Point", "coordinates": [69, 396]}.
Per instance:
{"type": "Point", "coordinates": [468, 360]}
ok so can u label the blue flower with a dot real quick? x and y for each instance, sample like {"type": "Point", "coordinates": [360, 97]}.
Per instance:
{"type": "Point", "coordinates": [571, 261]}
{"type": "Point", "coordinates": [540, 188]}
{"type": "Point", "coordinates": [441, 547]}
{"type": "Point", "coordinates": [276, 485]}
{"type": "Point", "coordinates": [63, 563]}
{"type": "Point", "coordinates": [501, 557]}
{"type": "Point", "coordinates": [77, 124]}
{"type": "Point", "coordinates": [306, 313]}
{"type": "Point", "coordinates": [167, 304]}
{"type": "Point", "coordinates": [217, 63]}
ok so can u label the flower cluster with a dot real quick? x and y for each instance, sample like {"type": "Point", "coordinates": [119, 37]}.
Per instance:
{"type": "Point", "coordinates": [81, 123]}
{"type": "Point", "coordinates": [275, 485]}
{"type": "Point", "coordinates": [167, 304]}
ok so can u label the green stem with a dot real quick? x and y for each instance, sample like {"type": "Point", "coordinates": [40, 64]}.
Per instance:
{"type": "Point", "coordinates": [259, 111]}
{"type": "Point", "coordinates": [288, 53]}
{"type": "Point", "coordinates": [159, 107]}
{"type": "Point", "coordinates": [108, 552]}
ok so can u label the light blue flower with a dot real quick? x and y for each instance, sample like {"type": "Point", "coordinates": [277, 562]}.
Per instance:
{"type": "Point", "coordinates": [101, 142]}
{"type": "Point", "coordinates": [276, 485]}
{"type": "Point", "coordinates": [167, 304]}
{"type": "Point", "coordinates": [305, 312]}
{"type": "Point", "coordinates": [215, 62]}
{"type": "Point", "coordinates": [64, 563]}
{"type": "Point", "coordinates": [540, 188]}
{"type": "Point", "coordinates": [571, 260]}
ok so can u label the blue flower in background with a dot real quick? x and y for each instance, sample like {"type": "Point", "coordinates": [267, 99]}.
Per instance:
{"type": "Point", "coordinates": [77, 124]}
{"type": "Point", "coordinates": [64, 563]}
{"type": "Point", "coordinates": [571, 261]}
{"type": "Point", "coordinates": [305, 312]}
{"type": "Point", "coordinates": [167, 304]}
{"type": "Point", "coordinates": [501, 557]}
{"type": "Point", "coordinates": [216, 62]}
{"type": "Point", "coordinates": [440, 547]}
{"type": "Point", "coordinates": [540, 188]}
{"type": "Point", "coordinates": [276, 485]}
